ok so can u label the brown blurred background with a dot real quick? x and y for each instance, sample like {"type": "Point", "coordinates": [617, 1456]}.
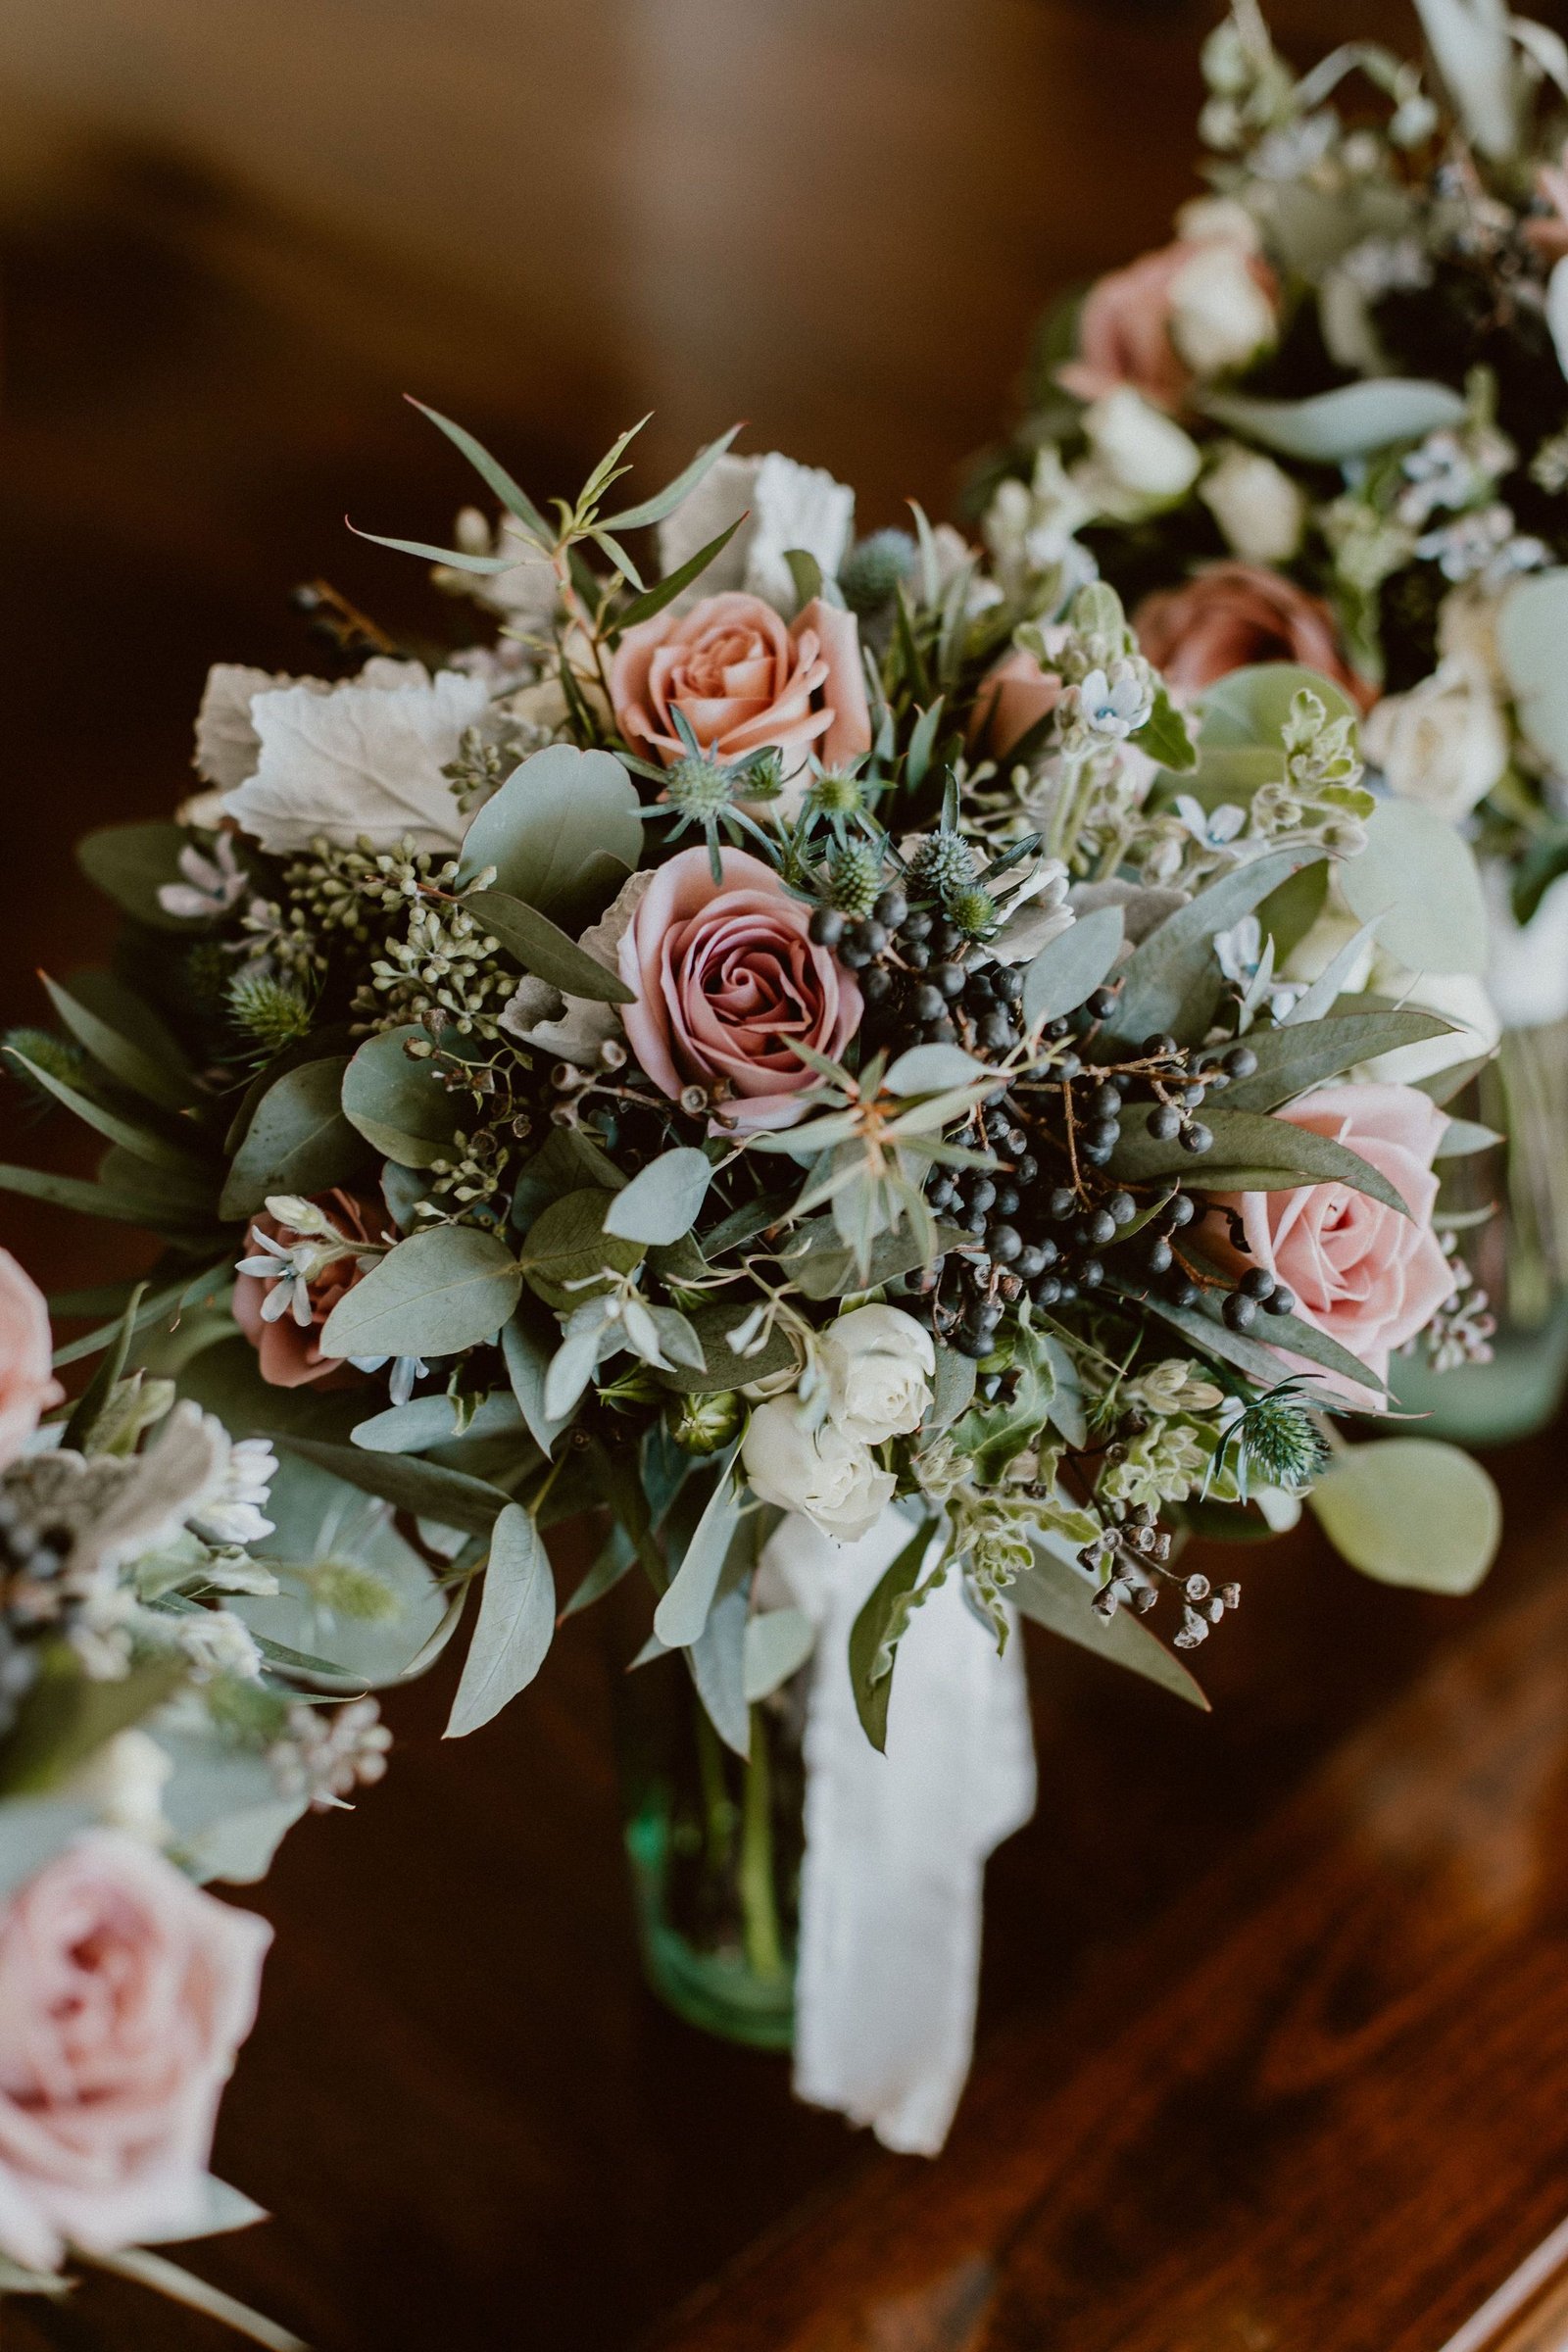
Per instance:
{"type": "Point", "coordinates": [231, 236]}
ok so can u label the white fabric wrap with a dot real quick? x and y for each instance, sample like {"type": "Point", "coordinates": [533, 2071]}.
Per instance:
{"type": "Point", "coordinates": [896, 1845]}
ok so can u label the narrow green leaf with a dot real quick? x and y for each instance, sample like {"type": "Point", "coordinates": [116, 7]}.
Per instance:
{"type": "Point", "coordinates": [140, 1142]}
{"type": "Point", "coordinates": [1059, 1597]}
{"type": "Point", "coordinates": [513, 497]}
{"type": "Point", "coordinates": [1256, 1152]}
{"type": "Point", "coordinates": [542, 947]}
{"type": "Point", "coordinates": [1071, 967]}
{"type": "Point", "coordinates": [664, 502]}
{"type": "Point", "coordinates": [1292, 1060]}
{"type": "Point", "coordinates": [517, 1621]}
{"type": "Point", "coordinates": [1171, 982]}
{"type": "Point", "coordinates": [880, 1627]}
{"type": "Point", "coordinates": [451, 1498]}
{"type": "Point", "coordinates": [664, 592]}
{"type": "Point", "coordinates": [682, 1611]}
{"type": "Point", "coordinates": [141, 1071]}
{"type": "Point", "coordinates": [96, 1394]}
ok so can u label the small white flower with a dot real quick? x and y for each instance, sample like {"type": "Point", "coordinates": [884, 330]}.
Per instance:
{"type": "Point", "coordinates": [1444, 743]}
{"type": "Point", "coordinates": [212, 885]}
{"type": "Point", "coordinates": [1220, 316]}
{"type": "Point", "coordinates": [233, 1512]}
{"type": "Point", "coordinates": [832, 1478]}
{"type": "Point", "coordinates": [1139, 459]}
{"type": "Point", "coordinates": [879, 1364]}
{"type": "Point", "coordinates": [217, 1642]}
{"type": "Point", "coordinates": [327, 1752]}
{"type": "Point", "coordinates": [1117, 702]}
{"type": "Point", "coordinates": [405, 1371]}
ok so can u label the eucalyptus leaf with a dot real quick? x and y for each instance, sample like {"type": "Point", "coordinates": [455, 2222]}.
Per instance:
{"type": "Point", "coordinates": [664, 502]}
{"type": "Point", "coordinates": [1058, 1595]}
{"type": "Point", "coordinates": [661, 1205]}
{"type": "Point", "coordinates": [1419, 876]}
{"type": "Point", "coordinates": [716, 1663]}
{"type": "Point", "coordinates": [1172, 981]}
{"type": "Point", "coordinates": [682, 1611]}
{"type": "Point", "coordinates": [1351, 422]}
{"type": "Point", "coordinates": [778, 1643]}
{"type": "Point", "coordinates": [1273, 1154]}
{"type": "Point", "coordinates": [1461, 1137]}
{"type": "Point", "coordinates": [880, 1627]}
{"type": "Point", "coordinates": [528, 1353]}
{"type": "Point", "coordinates": [821, 1266]}
{"type": "Point", "coordinates": [931, 1069]}
{"type": "Point", "coordinates": [513, 497]}
{"type": "Point", "coordinates": [542, 947]}
{"type": "Point", "coordinates": [426, 1421]}
{"type": "Point", "coordinates": [555, 815]}
{"type": "Point", "coordinates": [517, 1620]}
{"type": "Point", "coordinates": [1292, 1060]}
{"type": "Point", "coordinates": [567, 1248]}
{"type": "Point", "coordinates": [398, 1104]}
{"type": "Point", "coordinates": [1532, 632]}
{"type": "Point", "coordinates": [1250, 708]}
{"type": "Point", "coordinates": [1411, 1511]}
{"type": "Point", "coordinates": [1071, 967]}
{"type": "Point", "coordinates": [435, 1294]}
{"type": "Point", "coordinates": [298, 1142]}
{"type": "Point", "coordinates": [447, 1496]}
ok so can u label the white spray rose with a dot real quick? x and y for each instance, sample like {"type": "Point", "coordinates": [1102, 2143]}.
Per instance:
{"type": "Point", "coordinates": [1444, 743]}
{"type": "Point", "coordinates": [1528, 971]}
{"type": "Point", "coordinates": [1220, 316]}
{"type": "Point", "coordinates": [1458, 996]}
{"type": "Point", "coordinates": [1256, 505]}
{"type": "Point", "coordinates": [879, 1364]}
{"type": "Point", "coordinates": [1138, 458]}
{"type": "Point", "coordinates": [828, 1476]}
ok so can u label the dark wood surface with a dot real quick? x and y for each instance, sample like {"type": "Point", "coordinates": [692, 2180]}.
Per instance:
{"type": "Point", "coordinates": [1254, 2025]}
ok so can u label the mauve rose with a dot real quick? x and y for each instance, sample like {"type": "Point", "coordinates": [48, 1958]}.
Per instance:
{"type": "Point", "coordinates": [1013, 696]}
{"type": "Point", "coordinates": [28, 1385]}
{"type": "Point", "coordinates": [288, 1354]}
{"type": "Point", "coordinates": [729, 983]}
{"type": "Point", "coordinates": [1362, 1273]}
{"type": "Point", "coordinates": [1229, 616]}
{"type": "Point", "coordinates": [124, 1992]}
{"type": "Point", "coordinates": [742, 680]}
{"type": "Point", "coordinates": [1124, 328]}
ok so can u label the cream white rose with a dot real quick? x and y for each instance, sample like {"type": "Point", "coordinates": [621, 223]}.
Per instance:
{"type": "Point", "coordinates": [1444, 743]}
{"type": "Point", "coordinates": [879, 1364]}
{"type": "Point", "coordinates": [1220, 316]}
{"type": "Point", "coordinates": [1139, 457]}
{"type": "Point", "coordinates": [1256, 505]}
{"type": "Point", "coordinates": [830, 1478]}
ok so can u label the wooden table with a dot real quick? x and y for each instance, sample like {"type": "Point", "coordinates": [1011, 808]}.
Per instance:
{"type": "Point", "coordinates": [1274, 2038]}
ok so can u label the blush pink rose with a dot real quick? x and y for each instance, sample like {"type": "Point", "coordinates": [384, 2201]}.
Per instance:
{"type": "Point", "coordinates": [1013, 696]}
{"type": "Point", "coordinates": [1124, 328]}
{"type": "Point", "coordinates": [728, 984]}
{"type": "Point", "coordinates": [288, 1353]}
{"type": "Point", "coordinates": [124, 1992]}
{"type": "Point", "coordinates": [1229, 616]}
{"type": "Point", "coordinates": [744, 681]}
{"type": "Point", "coordinates": [1362, 1273]}
{"type": "Point", "coordinates": [28, 1384]}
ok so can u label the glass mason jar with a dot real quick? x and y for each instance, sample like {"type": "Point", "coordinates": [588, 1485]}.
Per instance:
{"type": "Point", "coordinates": [714, 1842]}
{"type": "Point", "coordinates": [1513, 1201]}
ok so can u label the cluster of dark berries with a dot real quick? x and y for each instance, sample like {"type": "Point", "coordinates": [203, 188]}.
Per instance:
{"type": "Point", "coordinates": [917, 986]}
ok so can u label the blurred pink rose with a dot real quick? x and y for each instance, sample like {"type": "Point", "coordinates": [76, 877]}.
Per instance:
{"type": "Point", "coordinates": [124, 1992]}
{"type": "Point", "coordinates": [1197, 306]}
{"type": "Point", "coordinates": [1228, 617]}
{"type": "Point", "coordinates": [28, 1385]}
{"type": "Point", "coordinates": [728, 982]}
{"type": "Point", "coordinates": [1363, 1274]}
{"type": "Point", "coordinates": [743, 680]}
{"type": "Point", "coordinates": [288, 1353]}
{"type": "Point", "coordinates": [1013, 696]}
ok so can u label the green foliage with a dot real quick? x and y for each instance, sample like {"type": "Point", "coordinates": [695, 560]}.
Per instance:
{"type": "Point", "coordinates": [515, 1622]}
{"type": "Point", "coordinates": [1417, 875]}
{"type": "Point", "coordinates": [273, 1013]}
{"type": "Point", "coordinates": [1071, 967]}
{"type": "Point", "coordinates": [661, 1202]}
{"type": "Point", "coordinates": [1057, 1594]}
{"type": "Point", "coordinates": [400, 1103]}
{"type": "Point", "coordinates": [559, 834]}
{"type": "Point", "coordinates": [435, 1294]}
{"type": "Point", "coordinates": [298, 1140]}
{"type": "Point", "coordinates": [542, 947]}
{"type": "Point", "coordinates": [1351, 422]}
{"type": "Point", "coordinates": [130, 863]}
{"type": "Point", "coordinates": [567, 1246]}
{"type": "Point", "coordinates": [881, 1626]}
{"type": "Point", "coordinates": [1292, 1060]}
{"type": "Point", "coordinates": [1171, 982]}
{"type": "Point", "coordinates": [1411, 1511]}
{"type": "Point", "coordinates": [448, 1497]}
{"type": "Point", "coordinates": [682, 1611]}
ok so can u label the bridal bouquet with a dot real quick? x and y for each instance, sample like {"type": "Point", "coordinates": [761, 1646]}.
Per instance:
{"type": "Point", "coordinates": [797, 1049]}
{"type": "Point", "coordinates": [1329, 422]}
{"type": "Point", "coordinates": [150, 1739]}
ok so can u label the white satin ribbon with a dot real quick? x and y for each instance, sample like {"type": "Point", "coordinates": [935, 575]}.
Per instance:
{"type": "Point", "coordinates": [896, 1845]}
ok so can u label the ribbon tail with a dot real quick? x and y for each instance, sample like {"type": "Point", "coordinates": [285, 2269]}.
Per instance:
{"type": "Point", "coordinates": [892, 1884]}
